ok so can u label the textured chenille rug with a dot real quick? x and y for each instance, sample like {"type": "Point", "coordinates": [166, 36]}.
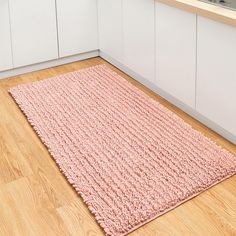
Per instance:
{"type": "Point", "coordinates": [129, 158]}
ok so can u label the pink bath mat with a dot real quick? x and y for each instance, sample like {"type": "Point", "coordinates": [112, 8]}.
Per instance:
{"type": "Point", "coordinates": [129, 157]}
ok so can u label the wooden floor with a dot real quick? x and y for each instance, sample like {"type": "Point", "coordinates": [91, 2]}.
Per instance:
{"type": "Point", "coordinates": [35, 198]}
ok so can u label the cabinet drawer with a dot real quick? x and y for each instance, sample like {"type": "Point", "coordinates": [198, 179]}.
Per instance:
{"type": "Point", "coordinates": [5, 37]}
{"type": "Point", "coordinates": [216, 74]}
{"type": "Point", "coordinates": [34, 32]}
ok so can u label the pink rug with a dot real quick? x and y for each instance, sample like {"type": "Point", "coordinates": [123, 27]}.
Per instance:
{"type": "Point", "coordinates": [129, 158]}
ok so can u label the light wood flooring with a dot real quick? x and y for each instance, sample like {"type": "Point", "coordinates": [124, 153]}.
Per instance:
{"type": "Point", "coordinates": [35, 198]}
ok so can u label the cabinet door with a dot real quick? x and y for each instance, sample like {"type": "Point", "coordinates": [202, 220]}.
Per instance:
{"type": "Point", "coordinates": [139, 37]}
{"type": "Point", "coordinates": [77, 26]}
{"type": "Point", "coordinates": [176, 52]}
{"type": "Point", "coordinates": [110, 23]}
{"type": "Point", "coordinates": [34, 33]}
{"type": "Point", "coordinates": [216, 74]}
{"type": "Point", "coordinates": [5, 37]}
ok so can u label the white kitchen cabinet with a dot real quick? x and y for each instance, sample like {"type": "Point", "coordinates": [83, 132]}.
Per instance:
{"type": "Point", "coordinates": [77, 26]}
{"type": "Point", "coordinates": [216, 73]}
{"type": "Point", "coordinates": [176, 52]}
{"type": "Point", "coordinates": [34, 32]}
{"type": "Point", "coordinates": [139, 37]}
{"type": "Point", "coordinates": [5, 37]}
{"type": "Point", "coordinates": [110, 21]}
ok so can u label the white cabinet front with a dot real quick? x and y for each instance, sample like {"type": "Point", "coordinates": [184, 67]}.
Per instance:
{"type": "Point", "coordinates": [216, 74]}
{"type": "Point", "coordinates": [34, 34]}
{"type": "Point", "coordinates": [77, 26]}
{"type": "Point", "coordinates": [110, 23]}
{"type": "Point", "coordinates": [5, 37]}
{"type": "Point", "coordinates": [139, 37]}
{"type": "Point", "coordinates": [176, 52]}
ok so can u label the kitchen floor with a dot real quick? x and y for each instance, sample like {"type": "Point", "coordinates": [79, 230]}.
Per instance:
{"type": "Point", "coordinates": [37, 200]}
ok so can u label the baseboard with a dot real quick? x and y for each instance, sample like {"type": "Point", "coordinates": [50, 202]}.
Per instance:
{"type": "Point", "coordinates": [48, 64]}
{"type": "Point", "coordinates": [192, 112]}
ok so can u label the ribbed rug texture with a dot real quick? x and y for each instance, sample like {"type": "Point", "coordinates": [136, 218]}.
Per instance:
{"type": "Point", "coordinates": [130, 158]}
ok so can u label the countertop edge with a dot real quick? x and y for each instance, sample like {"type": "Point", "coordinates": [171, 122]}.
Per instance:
{"type": "Point", "coordinates": [208, 10]}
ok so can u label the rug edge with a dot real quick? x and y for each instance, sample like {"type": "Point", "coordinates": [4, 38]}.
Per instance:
{"type": "Point", "coordinates": [180, 203]}
{"type": "Point", "coordinates": [79, 193]}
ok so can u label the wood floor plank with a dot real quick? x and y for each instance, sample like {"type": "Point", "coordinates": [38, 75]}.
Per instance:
{"type": "Point", "coordinates": [36, 199]}
{"type": "Point", "coordinates": [28, 210]}
{"type": "Point", "coordinates": [78, 220]}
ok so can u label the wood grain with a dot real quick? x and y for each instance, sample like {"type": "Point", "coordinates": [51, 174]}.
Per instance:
{"type": "Point", "coordinates": [37, 200]}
